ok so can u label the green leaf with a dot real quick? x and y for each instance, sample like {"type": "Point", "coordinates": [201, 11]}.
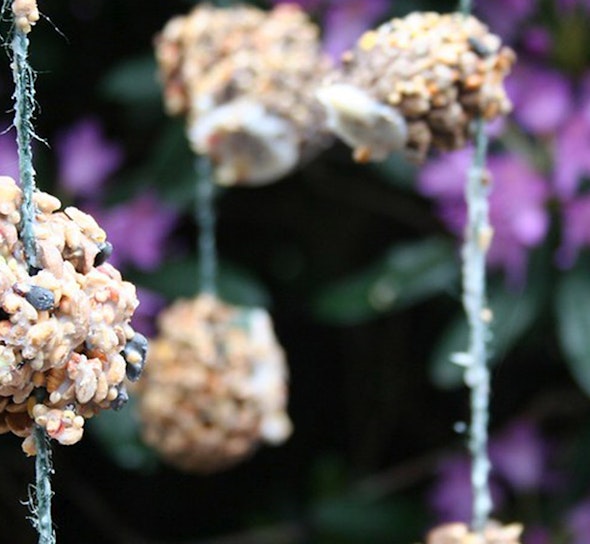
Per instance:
{"type": "Point", "coordinates": [406, 276]}
{"type": "Point", "coordinates": [119, 434]}
{"type": "Point", "coordinates": [180, 278]}
{"type": "Point", "coordinates": [133, 82]}
{"type": "Point", "coordinates": [513, 315]}
{"type": "Point", "coordinates": [573, 318]}
{"type": "Point", "coordinates": [350, 519]}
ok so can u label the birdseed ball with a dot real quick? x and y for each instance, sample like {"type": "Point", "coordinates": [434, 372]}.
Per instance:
{"type": "Point", "coordinates": [215, 386]}
{"type": "Point", "coordinates": [417, 83]}
{"type": "Point", "coordinates": [64, 328]}
{"type": "Point", "coordinates": [459, 533]}
{"type": "Point", "coordinates": [246, 81]}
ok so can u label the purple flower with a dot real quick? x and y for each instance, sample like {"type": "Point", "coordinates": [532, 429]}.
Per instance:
{"type": "Point", "coordinates": [575, 230]}
{"type": "Point", "coordinates": [346, 20]}
{"type": "Point", "coordinates": [343, 21]}
{"type": "Point", "coordinates": [517, 205]}
{"type": "Point", "coordinates": [570, 5]}
{"type": "Point", "coordinates": [578, 522]}
{"type": "Point", "coordinates": [519, 455]}
{"type": "Point", "coordinates": [505, 17]}
{"type": "Point", "coordinates": [451, 496]}
{"type": "Point", "coordinates": [571, 157]}
{"type": "Point", "coordinates": [541, 97]}
{"type": "Point", "coordinates": [86, 159]}
{"type": "Point", "coordinates": [9, 155]}
{"type": "Point", "coordinates": [150, 304]}
{"type": "Point", "coordinates": [537, 41]}
{"type": "Point", "coordinates": [138, 231]}
{"type": "Point", "coordinates": [537, 535]}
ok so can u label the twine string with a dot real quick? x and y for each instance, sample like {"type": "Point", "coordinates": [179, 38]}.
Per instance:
{"type": "Point", "coordinates": [206, 219]}
{"type": "Point", "coordinates": [24, 109]}
{"type": "Point", "coordinates": [478, 235]}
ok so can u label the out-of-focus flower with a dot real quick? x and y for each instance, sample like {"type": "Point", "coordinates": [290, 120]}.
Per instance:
{"type": "Point", "coordinates": [537, 535]}
{"type": "Point", "coordinates": [519, 456]}
{"type": "Point", "coordinates": [571, 157]}
{"type": "Point", "coordinates": [570, 5]}
{"type": "Point", "coordinates": [541, 97]}
{"type": "Point", "coordinates": [138, 231]}
{"type": "Point", "coordinates": [343, 21]}
{"type": "Point", "coordinates": [9, 155]}
{"type": "Point", "coordinates": [578, 522]}
{"type": "Point", "coordinates": [505, 17]}
{"type": "Point", "coordinates": [86, 158]}
{"type": "Point", "coordinates": [150, 304]}
{"type": "Point", "coordinates": [575, 230]}
{"type": "Point", "coordinates": [451, 496]}
{"type": "Point", "coordinates": [517, 205]}
{"type": "Point", "coordinates": [346, 20]}
{"type": "Point", "coordinates": [537, 41]}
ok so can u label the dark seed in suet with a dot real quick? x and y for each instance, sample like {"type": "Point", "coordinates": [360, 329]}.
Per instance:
{"type": "Point", "coordinates": [135, 353]}
{"type": "Point", "coordinates": [40, 298]}
{"type": "Point", "coordinates": [121, 399]}
{"type": "Point", "coordinates": [105, 250]}
{"type": "Point", "coordinates": [479, 48]}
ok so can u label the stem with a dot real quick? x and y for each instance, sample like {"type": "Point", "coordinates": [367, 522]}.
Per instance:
{"type": "Point", "coordinates": [465, 7]}
{"type": "Point", "coordinates": [206, 220]}
{"type": "Point", "coordinates": [477, 376]}
{"type": "Point", "coordinates": [43, 493]}
{"type": "Point", "coordinates": [24, 102]}
{"type": "Point", "coordinates": [24, 105]}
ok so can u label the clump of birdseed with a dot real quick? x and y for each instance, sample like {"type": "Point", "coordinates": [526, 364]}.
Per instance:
{"type": "Point", "coordinates": [215, 386]}
{"type": "Point", "coordinates": [65, 339]}
{"type": "Point", "coordinates": [417, 83]}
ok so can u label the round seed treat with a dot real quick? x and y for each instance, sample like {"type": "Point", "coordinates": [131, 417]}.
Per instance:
{"type": "Point", "coordinates": [246, 80]}
{"type": "Point", "coordinates": [215, 386]}
{"type": "Point", "coordinates": [459, 533]}
{"type": "Point", "coordinates": [417, 83]}
{"type": "Point", "coordinates": [64, 325]}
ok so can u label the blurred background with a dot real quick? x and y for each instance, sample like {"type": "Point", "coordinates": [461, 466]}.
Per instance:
{"type": "Point", "coordinates": [359, 269]}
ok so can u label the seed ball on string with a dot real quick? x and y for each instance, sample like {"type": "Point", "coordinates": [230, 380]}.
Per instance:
{"type": "Point", "coordinates": [417, 83]}
{"type": "Point", "coordinates": [215, 386]}
{"type": "Point", "coordinates": [246, 81]}
{"type": "Point", "coordinates": [459, 533]}
{"type": "Point", "coordinates": [62, 327]}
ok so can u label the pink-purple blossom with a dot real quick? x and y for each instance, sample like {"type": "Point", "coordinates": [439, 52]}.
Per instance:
{"type": "Point", "coordinates": [505, 17]}
{"type": "Point", "coordinates": [519, 456]}
{"type": "Point", "coordinates": [517, 205]}
{"type": "Point", "coordinates": [86, 158]}
{"type": "Point", "coordinates": [9, 155]}
{"type": "Point", "coordinates": [578, 522]}
{"type": "Point", "coordinates": [450, 498]}
{"type": "Point", "coordinates": [571, 159]}
{"type": "Point", "coordinates": [575, 229]}
{"type": "Point", "coordinates": [344, 21]}
{"type": "Point", "coordinates": [542, 98]}
{"type": "Point", "coordinates": [138, 230]}
{"type": "Point", "coordinates": [150, 304]}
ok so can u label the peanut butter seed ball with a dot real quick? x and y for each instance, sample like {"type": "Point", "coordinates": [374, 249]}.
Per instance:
{"type": "Point", "coordinates": [215, 386]}
{"type": "Point", "coordinates": [246, 79]}
{"type": "Point", "coordinates": [417, 83]}
{"type": "Point", "coordinates": [62, 327]}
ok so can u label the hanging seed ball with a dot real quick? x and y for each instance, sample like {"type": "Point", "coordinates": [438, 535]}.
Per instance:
{"type": "Point", "coordinates": [246, 80]}
{"type": "Point", "coordinates": [65, 338]}
{"type": "Point", "coordinates": [459, 533]}
{"type": "Point", "coordinates": [215, 385]}
{"type": "Point", "coordinates": [417, 83]}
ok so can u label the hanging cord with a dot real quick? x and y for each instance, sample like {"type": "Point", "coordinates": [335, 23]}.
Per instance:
{"type": "Point", "coordinates": [478, 236]}
{"type": "Point", "coordinates": [24, 106]}
{"type": "Point", "coordinates": [207, 243]}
